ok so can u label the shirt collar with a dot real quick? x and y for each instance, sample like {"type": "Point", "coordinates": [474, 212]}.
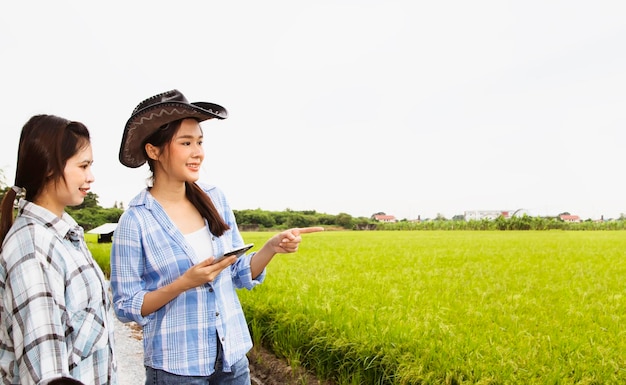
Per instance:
{"type": "Point", "coordinates": [61, 226]}
{"type": "Point", "coordinates": [142, 199]}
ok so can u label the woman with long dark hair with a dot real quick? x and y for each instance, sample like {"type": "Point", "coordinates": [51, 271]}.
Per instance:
{"type": "Point", "coordinates": [56, 319]}
{"type": "Point", "coordinates": [164, 273]}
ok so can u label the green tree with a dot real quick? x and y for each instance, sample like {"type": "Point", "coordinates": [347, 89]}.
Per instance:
{"type": "Point", "coordinates": [254, 217]}
{"type": "Point", "coordinates": [345, 220]}
{"type": "Point", "coordinates": [299, 220]}
{"type": "Point", "coordinates": [91, 200]}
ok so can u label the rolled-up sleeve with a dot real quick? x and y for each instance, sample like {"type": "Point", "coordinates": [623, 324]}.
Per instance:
{"type": "Point", "coordinates": [242, 274]}
{"type": "Point", "coordinates": [127, 265]}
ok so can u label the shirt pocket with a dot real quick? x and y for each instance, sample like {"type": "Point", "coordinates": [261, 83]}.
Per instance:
{"type": "Point", "coordinates": [88, 334]}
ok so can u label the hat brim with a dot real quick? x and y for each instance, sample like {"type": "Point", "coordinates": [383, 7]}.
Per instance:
{"type": "Point", "coordinates": [145, 122]}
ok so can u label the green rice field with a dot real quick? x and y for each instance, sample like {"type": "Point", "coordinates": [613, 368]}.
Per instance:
{"type": "Point", "coordinates": [447, 307]}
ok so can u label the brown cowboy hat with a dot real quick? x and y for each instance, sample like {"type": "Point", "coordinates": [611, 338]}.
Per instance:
{"type": "Point", "coordinates": [153, 113]}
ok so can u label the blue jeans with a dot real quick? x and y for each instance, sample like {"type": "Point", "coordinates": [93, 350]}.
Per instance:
{"type": "Point", "coordinates": [240, 375]}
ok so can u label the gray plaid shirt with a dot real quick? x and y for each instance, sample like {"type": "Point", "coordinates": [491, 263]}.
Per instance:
{"type": "Point", "coordinates": [55, 309]}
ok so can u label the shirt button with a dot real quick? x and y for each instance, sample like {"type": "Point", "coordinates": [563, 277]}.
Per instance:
{"type": "Point", "coordinates": [217, 313]}
{"type": "Point", "coordinates": [210, 290]}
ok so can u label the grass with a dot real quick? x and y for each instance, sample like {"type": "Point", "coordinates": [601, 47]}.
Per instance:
{"type": "Point", "coordinates": [101, 252]}
{"type": "Point", "coordinates": [448, 307]}
{"type": "Point", "coordinates": [443, 307]}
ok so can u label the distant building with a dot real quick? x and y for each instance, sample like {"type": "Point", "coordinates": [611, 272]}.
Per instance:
{"type": "Point", "coordinates": [385, 218]}
{"type": "Point", "coordinates": [105, 232]}
{"type": "Point", "coordinates": [477, 215]}
{"type": "Point", "coordinates": [570, 218]}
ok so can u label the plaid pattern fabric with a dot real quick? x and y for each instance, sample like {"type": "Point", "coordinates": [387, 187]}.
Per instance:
{"type": "Point", "coordinates": [149, 252]}
{"type": "Point", "coordinates": [55, 309]}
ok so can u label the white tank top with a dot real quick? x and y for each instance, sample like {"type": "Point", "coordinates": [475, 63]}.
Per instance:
{"type": "Point", "coordinates": [200, 241]}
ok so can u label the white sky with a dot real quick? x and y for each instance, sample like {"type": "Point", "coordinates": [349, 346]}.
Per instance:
{"type": "Point", "coordinates": [408, 107]}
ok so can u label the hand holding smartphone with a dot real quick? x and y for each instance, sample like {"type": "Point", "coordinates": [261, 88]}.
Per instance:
{"type": "Point", "coordinates": [238, 252]}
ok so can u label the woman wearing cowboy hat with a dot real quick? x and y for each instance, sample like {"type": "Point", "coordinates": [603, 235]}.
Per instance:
{"type": "Point", "coordinates": [163, 270]}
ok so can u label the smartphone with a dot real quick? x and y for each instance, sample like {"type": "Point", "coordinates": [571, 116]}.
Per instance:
{"type": "Point", "coordinates": [238, 252]}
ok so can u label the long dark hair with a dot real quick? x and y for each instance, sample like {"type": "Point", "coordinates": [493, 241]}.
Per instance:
{"type": "Point", "coordinates": [46, 143]}
{"type": "Point", "coordinates": [201, 200]}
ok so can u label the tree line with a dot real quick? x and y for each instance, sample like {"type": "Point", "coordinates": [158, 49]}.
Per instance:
{"type": "Point", "coordinates": [90, 215]}
{"type": "Point", "coordinates": [524, 222]}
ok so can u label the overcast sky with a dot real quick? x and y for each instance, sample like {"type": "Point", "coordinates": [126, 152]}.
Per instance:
{"type": "Point", "coordinates": [412, 108]}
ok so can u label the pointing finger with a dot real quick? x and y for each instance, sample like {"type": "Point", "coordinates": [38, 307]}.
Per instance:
{"type": "Point", "coordinates": [307, 230]}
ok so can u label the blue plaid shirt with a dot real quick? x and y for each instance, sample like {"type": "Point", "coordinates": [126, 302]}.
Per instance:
{"type": "Point", "coordinates": [149, 252]}
{"type": "Point", "coordinates": [56, 318]}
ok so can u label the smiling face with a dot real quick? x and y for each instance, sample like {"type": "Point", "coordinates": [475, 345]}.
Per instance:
{"type": "Point", "coordinates": [73, 187]}
{"type": "Point", "coordinates": [179, 160]}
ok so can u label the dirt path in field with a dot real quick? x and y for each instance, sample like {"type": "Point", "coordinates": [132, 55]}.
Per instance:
{"type": "Point", "coordinates": [265, 367]}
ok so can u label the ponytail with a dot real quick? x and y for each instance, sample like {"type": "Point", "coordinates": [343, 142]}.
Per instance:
{"type": "Point", "coordinates": [6, 212]}
{"type": "Point", "coordinates": [205, 206]}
